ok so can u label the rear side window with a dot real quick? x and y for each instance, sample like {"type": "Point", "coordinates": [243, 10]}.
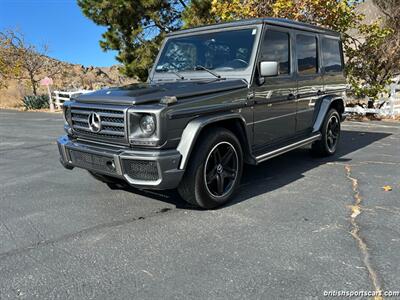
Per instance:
{"type": "Point", "coordinates": [275, 47]}
{"type": "Point", "coordinates": [306, 49]}
{"type": "Point", "coordinates": [331, 55]}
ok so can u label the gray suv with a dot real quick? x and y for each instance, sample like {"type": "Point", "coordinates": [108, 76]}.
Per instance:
{"type": "Point", "coordinates": [217, 97]}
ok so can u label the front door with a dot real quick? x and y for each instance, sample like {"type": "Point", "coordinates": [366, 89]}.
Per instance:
{"type": "Point", "coordinates": [275, 100]}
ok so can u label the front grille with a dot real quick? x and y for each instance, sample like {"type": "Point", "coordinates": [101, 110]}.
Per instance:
{"type": "Point", "coordinates": [112, 123]}
{"type": "Point", "coordinates": [140, 169]}
{"type": "Point", "coordinates": [92, 161]}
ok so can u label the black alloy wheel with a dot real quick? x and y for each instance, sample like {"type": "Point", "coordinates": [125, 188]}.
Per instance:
{"type": "Point", "coordinates": [221, 169]}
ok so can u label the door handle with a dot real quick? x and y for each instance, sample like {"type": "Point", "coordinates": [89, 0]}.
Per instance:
{"type": "Point", "coordinates": [291, 96]}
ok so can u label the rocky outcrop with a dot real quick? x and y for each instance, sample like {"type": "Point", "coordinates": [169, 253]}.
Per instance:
{"type": "Point", "coordinates": [66, 77]}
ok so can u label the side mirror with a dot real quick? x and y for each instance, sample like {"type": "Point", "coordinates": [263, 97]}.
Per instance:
{"type": "Point", "coordinates": [269, 68]}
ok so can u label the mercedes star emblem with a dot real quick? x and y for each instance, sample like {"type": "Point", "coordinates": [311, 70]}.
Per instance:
{"type": "Point", "coordinates": [94, 122]}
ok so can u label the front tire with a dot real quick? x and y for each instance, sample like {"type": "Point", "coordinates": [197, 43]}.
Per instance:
{"type": "Point", "coordinates": [330, 135]}
{"type": "Point", "coordinates": [214, 170]}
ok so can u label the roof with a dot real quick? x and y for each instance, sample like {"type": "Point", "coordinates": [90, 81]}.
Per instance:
{"type": "Point", "coordinates": [271, 21]}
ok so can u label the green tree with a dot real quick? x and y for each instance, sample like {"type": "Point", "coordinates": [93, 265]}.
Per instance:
{"type": "Point", "coordinates": [370, 63]}
{"type": "Point", "coordinates": [197, 13]}
{"type": "Point", "coordinates": [135, 28]}
{"type": "Point", "coordinates": [391, 11]}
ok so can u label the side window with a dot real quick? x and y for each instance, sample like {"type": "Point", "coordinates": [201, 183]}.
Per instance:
{"type": "Point", "coordinates": [331, 55]}
{"type": "Point", "coordinates": [275, 47]}
{"type": "Point", "coordinates": [306, 49]}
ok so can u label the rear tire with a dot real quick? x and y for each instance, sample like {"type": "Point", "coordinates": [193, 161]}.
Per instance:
{"type": "Point", "coordinates": [330, 135]}
{"type": "Point", "coordinates": [214, 170]}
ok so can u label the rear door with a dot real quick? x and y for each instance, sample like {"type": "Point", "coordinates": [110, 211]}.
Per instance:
{"type": "Point", "coordinates": [275, 100]}
{"type": "Point", "coordinates": [309, 79]}
{"type": "Point", "coordinates": [332, 64]}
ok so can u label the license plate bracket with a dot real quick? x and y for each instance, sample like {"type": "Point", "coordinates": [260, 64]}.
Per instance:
{"type": "Point", "coordinates": [91, 161]}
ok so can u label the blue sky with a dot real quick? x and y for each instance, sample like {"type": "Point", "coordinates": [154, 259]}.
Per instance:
{"type": "Point", "coordinates": [60, 24]}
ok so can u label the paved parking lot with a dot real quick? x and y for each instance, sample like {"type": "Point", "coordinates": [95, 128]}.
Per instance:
{"type": "Point", "coordinates": [298, 227]}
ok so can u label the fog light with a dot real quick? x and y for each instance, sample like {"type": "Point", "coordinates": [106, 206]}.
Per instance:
{"type": "Point", "coordinates": [111, 165]}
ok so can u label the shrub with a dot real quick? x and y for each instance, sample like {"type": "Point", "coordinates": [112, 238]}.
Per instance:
{"type": "Point", "coordinates": [36, 102]}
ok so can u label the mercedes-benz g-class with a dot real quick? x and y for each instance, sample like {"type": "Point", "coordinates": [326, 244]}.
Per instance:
{"type": "Point", "coordinates": [217, 97]}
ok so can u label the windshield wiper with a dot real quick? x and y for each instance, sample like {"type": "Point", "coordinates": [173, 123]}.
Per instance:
{"type": "Point", "coordinates": [177, 74]}
{"type": "Point", "coordinates": [200, 67]}
{"type": "Point", "coordinates": [173, 72]}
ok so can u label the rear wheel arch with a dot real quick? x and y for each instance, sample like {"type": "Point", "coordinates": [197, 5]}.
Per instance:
{"type": "Point", "coordinates": [328, 103]}
{"type": "Point", "coordinates": [338, 104]}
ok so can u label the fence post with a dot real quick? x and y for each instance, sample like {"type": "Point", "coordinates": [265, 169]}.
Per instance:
{"type": "Point", "coordinates": [57, 99]}
{"type": "Point", "coordinates": [50, 99]}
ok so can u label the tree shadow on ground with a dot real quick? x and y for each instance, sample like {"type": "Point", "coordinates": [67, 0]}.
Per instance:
{"type": "Point", "coordinates": [277, 172]}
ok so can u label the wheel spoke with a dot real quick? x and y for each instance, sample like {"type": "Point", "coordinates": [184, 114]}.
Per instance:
{"type": "Point", "coordinates": [330, 142]}
{"type": "Point", "coordinates": [211, 176]}
{"type": "Point", "coordinates": [227, 156]}
{"type": "Point", "coordinates": [220, 184]}
{"type": "Point", "coordinates": [334, 125]}
{"type": "Point", "coordinates": [229, 174]}
{"type": "Point", "coordinates": [217, 156]}
{"type": "Point", "coordinates": [229, 169]}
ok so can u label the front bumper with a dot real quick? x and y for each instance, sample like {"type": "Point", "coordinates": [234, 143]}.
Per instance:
{"type": "Point", "coordinates": [153, 169]}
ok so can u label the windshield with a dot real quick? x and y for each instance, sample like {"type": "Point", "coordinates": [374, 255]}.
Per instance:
{"type": "Point", "coordinates": [224, 51]}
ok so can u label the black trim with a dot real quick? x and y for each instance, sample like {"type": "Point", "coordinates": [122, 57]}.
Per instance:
{"type": "Point", "coordinates": [271, 21]}
{"type": "Point", "coordinates": [190, 112]}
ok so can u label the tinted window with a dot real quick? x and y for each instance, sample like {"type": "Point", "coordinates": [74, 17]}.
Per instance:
{"type": "Point", "coordinates": [306, 48]}
{"type": "Point", "coordinates": [331, 55]}
{"type": "Point", "coordinates": [276, 48]}
{"type": "Point", "coordinates": [227, 50]}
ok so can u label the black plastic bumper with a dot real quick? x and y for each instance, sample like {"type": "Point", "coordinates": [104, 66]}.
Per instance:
{"type": "Point", "coordinates": [112, 161]}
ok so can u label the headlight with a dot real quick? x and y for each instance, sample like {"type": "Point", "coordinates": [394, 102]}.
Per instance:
{"type": "Point", "coordinates": [143, 128]}
{"type": "Point", "coordinates": [67, 115]}
{"type": "Point", "coordinates": [147, 124]}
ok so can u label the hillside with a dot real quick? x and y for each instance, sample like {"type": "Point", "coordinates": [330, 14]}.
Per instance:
{"type": "Point", "coordinates": [68, 77]}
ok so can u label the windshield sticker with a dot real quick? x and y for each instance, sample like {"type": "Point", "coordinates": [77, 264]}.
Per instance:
{"type": "Point", "coordinates": [254, 31]}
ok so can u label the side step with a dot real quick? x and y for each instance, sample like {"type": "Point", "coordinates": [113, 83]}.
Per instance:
{"type": "Point", "coordinates": [287, 148]}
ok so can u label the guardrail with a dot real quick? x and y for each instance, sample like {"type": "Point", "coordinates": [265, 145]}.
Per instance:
{"type": "Point", "coordinates": [62, 96]}
{"type": "Point", "coordinates": [388, 107]}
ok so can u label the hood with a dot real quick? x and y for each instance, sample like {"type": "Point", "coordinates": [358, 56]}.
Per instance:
{"type": "Point", "coordinates": [141, 93]}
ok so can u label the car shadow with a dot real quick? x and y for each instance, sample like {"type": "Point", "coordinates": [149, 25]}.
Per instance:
{"type": "Point", "coordinates": [276, 172]}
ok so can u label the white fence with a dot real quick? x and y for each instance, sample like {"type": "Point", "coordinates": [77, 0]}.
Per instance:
{"type": "Point", "coordinates": [388, 107]}
{"type": "Point", "coordinates": [61, 96]}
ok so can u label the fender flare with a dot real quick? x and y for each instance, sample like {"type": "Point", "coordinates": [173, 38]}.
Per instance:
{"type": "Point", "coordinates": [326, 103]}
{"type": "Point", "coordinates": [193, 129]}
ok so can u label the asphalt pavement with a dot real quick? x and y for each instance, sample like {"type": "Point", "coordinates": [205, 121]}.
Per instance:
{"type": "Point", "coordinates": [299, 225]}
